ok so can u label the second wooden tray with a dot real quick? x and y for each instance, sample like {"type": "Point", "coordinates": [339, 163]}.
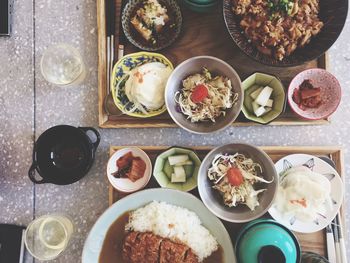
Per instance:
{"type": "Point", "coordinates": [314, 242]}
{"type": "Point", "coordinates": [202, 34]}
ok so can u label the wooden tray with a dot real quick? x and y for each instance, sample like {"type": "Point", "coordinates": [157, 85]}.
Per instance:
{"type": "Point", "coordinates": [315, 242]}
{"type": "Point", "coordinates": [202, 34]}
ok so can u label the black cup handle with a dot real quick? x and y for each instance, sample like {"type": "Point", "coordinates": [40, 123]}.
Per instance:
{"type": "Point", "coordinates": [31, 174]}
{"type": "Point", "coordinates": [271, 253]}
{"type": "Point", "coordinates": [97, 134]}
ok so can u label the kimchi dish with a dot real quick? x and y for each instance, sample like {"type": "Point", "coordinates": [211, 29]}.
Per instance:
{"type": "Point", "coordinates": [130, 167]}
{"type": "Point", "coordinates": [307, 95]}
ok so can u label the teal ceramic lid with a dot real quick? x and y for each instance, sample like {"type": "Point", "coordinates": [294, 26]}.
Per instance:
{"type": "Point", "coordinates": [266, 241]}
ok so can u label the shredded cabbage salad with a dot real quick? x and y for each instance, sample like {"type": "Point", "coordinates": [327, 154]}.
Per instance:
{"type": "Point", "coordinates": [220, 97]}
{"type": "Point", "coordinates": [243, 193]}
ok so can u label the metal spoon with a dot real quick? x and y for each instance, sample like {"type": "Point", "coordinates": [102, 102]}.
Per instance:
{"type": "Point", "coordinates": [110, 107]}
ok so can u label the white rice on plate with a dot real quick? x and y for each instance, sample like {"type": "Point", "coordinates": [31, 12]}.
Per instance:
{"type": "Point", "coordinates": [175, 223]}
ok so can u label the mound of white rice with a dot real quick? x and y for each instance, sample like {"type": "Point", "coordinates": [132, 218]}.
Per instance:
{"type": "Point", "coordinates": [175, 223]}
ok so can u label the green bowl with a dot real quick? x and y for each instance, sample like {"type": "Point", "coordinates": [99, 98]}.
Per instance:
{"type": "Point", "coordinates": [163, 177]}
{"type": "Point", "coordinates": [203, 2]}
{"type": "Point", "coordinates": [265, 240]}
{"type": "Point", "coordinates": [200, 8]}
{"type": "Point", "coordinates": [252, 83]}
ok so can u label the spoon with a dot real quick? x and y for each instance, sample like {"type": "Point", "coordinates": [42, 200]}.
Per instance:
{"type": "Point", "coordinates": [110, 107]}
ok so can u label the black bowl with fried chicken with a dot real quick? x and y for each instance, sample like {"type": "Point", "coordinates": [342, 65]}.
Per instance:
{"type": "Point", "coordinates": [151, 24]}
{"type": "Point", "coordinates": [285, 32]}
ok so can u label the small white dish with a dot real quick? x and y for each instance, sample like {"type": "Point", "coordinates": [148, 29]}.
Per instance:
{"type": "Point", "coordinates": [125, 184]}
{"type": "Point", "coordinates": [337, 191]}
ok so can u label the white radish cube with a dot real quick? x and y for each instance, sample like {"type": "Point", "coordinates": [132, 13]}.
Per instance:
{"type": "Point", "coordinates": [260, 111]}
{"type": "Point", "coordinates": [173, 160]}
{"type": "Point", "coordinates": [256, 93]}
{"type": "Point", "coordinates": [188, 162]}
{"type": "Point", "coordinates": [264, 96]}
{"type": "Point", "coordinates": [267, 109]}
{"type": "Point", "coordinates": [179, 175]}
{"type": "Point", "coordinates": [255, 106]}
{"type": "Point", "coordinates": [269, 103]}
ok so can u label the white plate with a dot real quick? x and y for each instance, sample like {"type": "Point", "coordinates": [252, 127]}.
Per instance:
{"type": "Point", "coordinates": [337, 190]}
{"type": "Point", "coordinates": [94, 241]}
{"type": "Point", "coordinates": [125, 184]}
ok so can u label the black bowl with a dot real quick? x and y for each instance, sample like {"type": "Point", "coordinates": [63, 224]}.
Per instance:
{"type": "Point", "coordinates": [333, 14]}
{"type": "Point", "coordinates": [135, 38]}
{"type": "Point", "coordinates": [63, 154]}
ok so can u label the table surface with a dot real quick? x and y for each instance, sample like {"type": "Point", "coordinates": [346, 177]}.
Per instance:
{"type": "Point", "coordinates": [29, 105]}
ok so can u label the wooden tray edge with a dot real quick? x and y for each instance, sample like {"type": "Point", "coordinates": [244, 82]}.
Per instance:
{"type": "Point", "coordinates": [103, 120]}
{"type": "Point", "coordinates": [107, 124]}
{"type": "Point", "coordinates": [335, 151]}
{"type": "Point", "coordinates": [101, 38]}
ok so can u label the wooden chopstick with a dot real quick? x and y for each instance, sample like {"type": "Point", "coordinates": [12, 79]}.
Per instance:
{"type": "Point", "coordinates": [108, 34]}
{"type": "Point", "coordinates": [112, 29]}
{"type": "Point", "coordinates": [121, 36]}
{"type": "Point", "coordinates": [111, 11]}
{"type": "Point", "coordinates": [340, 250]}
{"type": "Point", "coordinates": [336, 241]}
{"type": "Point", "coordinates": [330, 244]}
{"type": "Point", "coordinates": [341, 240]}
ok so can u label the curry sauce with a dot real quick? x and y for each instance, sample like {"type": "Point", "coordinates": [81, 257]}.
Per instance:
{"type": "Point", "coordinates": [113, 244]}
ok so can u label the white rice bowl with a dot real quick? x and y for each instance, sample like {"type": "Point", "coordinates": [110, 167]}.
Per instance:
{"type": "Point", "coordinates": [175, 223]}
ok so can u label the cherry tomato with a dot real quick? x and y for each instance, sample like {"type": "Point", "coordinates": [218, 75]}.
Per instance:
{"type": "Point", "coordinates": [234, 176]}
{"type": "Point", "coordinates": [199, 93]}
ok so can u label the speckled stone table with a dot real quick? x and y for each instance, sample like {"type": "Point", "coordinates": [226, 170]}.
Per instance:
{"type": "Point", "coordinates": [29, 105]}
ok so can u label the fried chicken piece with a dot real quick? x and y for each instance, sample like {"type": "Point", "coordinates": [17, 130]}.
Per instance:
{"type": "Point", "coordinates": [153, 245]}
{"type": "Point", "coordinates": [149, 248]}
{"type": "Point", "coordinates": [133, 250]}
{"type": "Point", "coordinates": [172, 252]}
{"type": "Point", "coordinates": [190, 257]}
{"type": "Point", "coordinates": [138, 168]}
{"type": "Point", "coordinates": [125, 161]}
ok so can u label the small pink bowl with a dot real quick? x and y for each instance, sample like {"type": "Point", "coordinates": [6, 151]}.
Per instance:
{"type": "Point", "coordinates": [330, 93]}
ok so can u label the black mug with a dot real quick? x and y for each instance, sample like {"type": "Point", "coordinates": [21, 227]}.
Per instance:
{"type": "Point", "coordinates": [63, 154]}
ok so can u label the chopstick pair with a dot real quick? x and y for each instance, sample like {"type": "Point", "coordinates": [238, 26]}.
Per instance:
{"type": "Point", "coordinates": [110, 29]}
{"type": "Point", "coordinates": [339, 240]}
{"type": "Point", "coordinates": [335, 242]}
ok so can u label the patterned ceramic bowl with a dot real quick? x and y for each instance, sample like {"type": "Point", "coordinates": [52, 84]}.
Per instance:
{"type": "Point", "coordinates": [332, 12]}
{"type": "Point", "coordinates": [330, 93]}
{"type": "Point", "coordinates": [122, 67]}
{"type": "Point", "coordinates": [323, 168]}
{"type": "Point", "coordinates": [170, 35]}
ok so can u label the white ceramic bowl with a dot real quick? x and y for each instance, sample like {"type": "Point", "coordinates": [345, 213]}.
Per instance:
{"type": "Point", "coordinates": [192, 66]}
{"type": "Point", "coordinates": [241, 213]}
{"type": "Point", "coordinates": [95, 239]}
{"type": "Point", "coordinates": [125, 184]}
{"type": "Point", "coordinates": [337, 190]}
